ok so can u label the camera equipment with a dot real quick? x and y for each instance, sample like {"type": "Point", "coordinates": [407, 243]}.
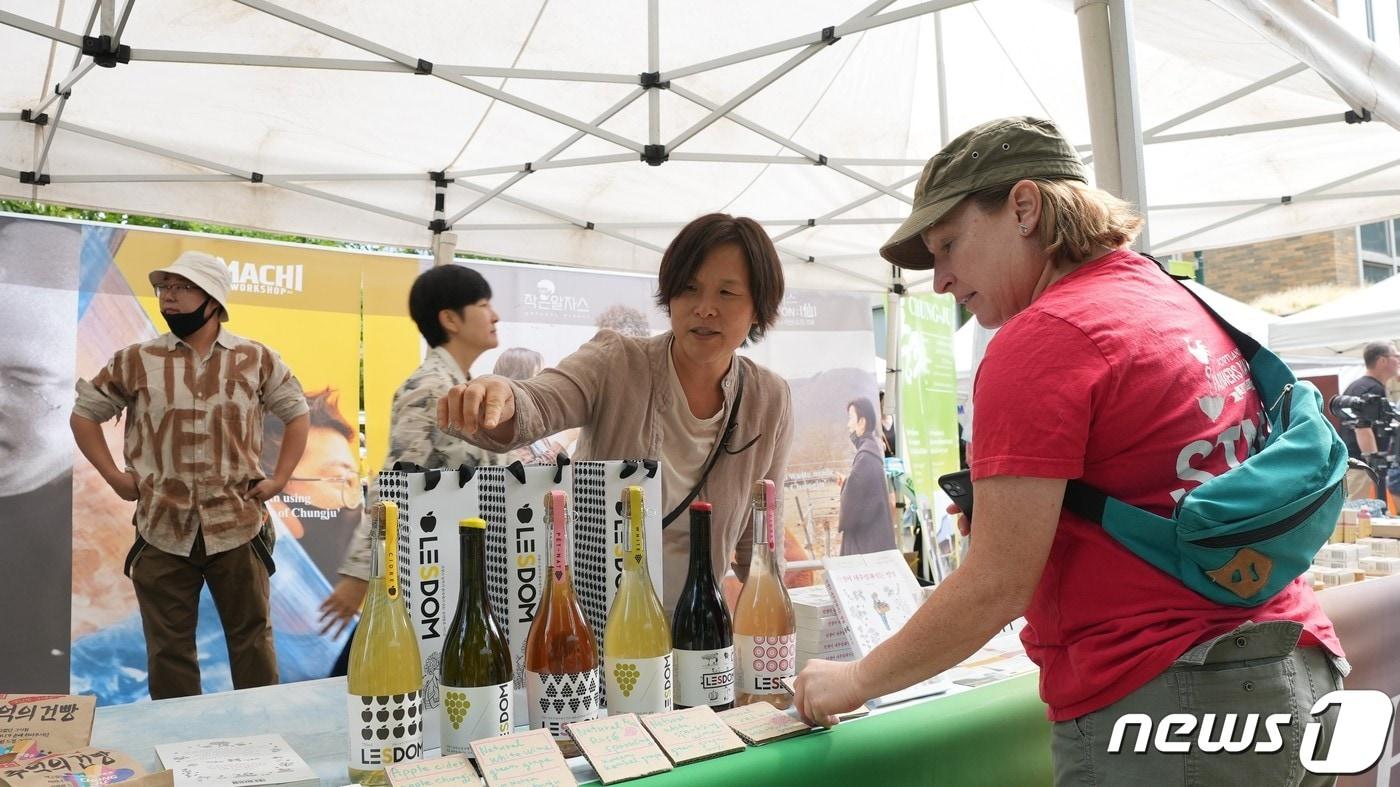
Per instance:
{"type": "Point", "coordinates": [1376, 412]}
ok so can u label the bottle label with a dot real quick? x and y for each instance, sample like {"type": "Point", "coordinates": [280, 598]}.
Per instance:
{"type": "Point", "coordinates": [472, 713]}
{"type": "Point", "coordinates": [639, 685]}
{"type": "Point", "coordinates": [764, 661]}
{"type": "Point", "coordinates": [384, 729]}
{"type": "Point", "coordinates": [704, 677]}
{"type": "Point", "coordinates": [556, 699]}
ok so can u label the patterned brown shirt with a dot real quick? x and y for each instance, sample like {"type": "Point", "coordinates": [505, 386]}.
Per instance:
{"type": "Point", "coordinates": [194, 430]}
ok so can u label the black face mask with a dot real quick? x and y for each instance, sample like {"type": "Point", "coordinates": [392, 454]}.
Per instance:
{"type": "Point", "coordinates": [184, 324]}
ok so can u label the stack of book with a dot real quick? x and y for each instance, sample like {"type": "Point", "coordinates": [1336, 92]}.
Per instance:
{"type": "Point", "coordinates": [820, 634]}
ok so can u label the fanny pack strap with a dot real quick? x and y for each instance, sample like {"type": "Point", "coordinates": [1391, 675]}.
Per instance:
{"type": "Point", "coordinates": [1089, 503]}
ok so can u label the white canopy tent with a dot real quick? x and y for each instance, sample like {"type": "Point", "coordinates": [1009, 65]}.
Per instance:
{"type": "Point", "coordinates": [326, 118]}
{"type": "Point", "coordinates": [1344, 326]}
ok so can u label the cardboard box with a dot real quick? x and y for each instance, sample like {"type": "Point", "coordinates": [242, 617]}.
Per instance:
{"type": "Point", "coordinates": [1331, 577]}
{"type": "Point", "coordinates": [1381, 547]}
{"type": "Point", "coordinates": [431, 503]}
{"type": "Point", "coordinates": [600, 532]}
{"type": "Point", "coordinates": [1338, 556]}
{"type": "Point", "coordinates": [1380, 566]}
{"type": "Point", "coordinates": [1385, 528]}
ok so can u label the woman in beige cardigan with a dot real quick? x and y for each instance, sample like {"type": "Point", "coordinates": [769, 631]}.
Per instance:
{"type": "Point", "coordinates": [669, 396]}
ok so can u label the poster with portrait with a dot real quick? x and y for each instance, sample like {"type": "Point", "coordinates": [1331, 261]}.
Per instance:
{"type": "Point", "coordinates": [304, 303]}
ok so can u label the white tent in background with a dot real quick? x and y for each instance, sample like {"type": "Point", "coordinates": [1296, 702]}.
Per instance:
{"type": "Point", "coordinates": [526, 128]}
{"type": "Point", "coordinates": [1344, 326]}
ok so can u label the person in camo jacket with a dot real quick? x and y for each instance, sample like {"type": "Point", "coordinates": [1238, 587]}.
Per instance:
{"type": "Point", "coordinates": [194, 400]}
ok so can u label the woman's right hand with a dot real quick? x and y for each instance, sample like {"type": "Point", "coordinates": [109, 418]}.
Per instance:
{"type": "Point", "coordinates": [480, 405]}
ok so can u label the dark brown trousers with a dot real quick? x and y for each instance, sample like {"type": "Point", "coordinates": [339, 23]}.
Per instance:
{"type": "Point", "coordinates": [167, 591]}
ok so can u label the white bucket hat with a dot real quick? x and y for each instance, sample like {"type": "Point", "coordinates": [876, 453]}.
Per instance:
{"type": "Point", "coordinates": [205, 271]}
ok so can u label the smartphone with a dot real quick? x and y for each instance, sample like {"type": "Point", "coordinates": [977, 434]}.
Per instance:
{"type": "Point", "coordinates": [958, 486]}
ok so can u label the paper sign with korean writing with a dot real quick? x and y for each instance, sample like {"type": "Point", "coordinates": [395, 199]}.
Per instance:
{"type": "Point", "coordinates": [36, 724]}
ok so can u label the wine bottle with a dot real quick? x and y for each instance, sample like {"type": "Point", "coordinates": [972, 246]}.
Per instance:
{"type": "Point", "coordinates": [561, 653]}
{"type": "Point", "coordinates": [385, 678]}
{"type": "Point", "coordinates": [764, 626]}
{"type": "Point", "coordinates": [701, 627]}
{"type": "Point", "coordinates": [637, 670]}
{"type": "Point", "coordinates": [477, 694]}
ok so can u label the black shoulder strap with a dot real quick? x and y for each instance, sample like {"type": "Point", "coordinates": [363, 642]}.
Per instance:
{"type": "Point", "coordinates": [1086, 501]}
{"type": "Point", "coordinates": [715, 452]}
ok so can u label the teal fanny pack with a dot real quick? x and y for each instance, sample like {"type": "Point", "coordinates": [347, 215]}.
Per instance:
{"type": "Point", "coordinates": [1242, 536]}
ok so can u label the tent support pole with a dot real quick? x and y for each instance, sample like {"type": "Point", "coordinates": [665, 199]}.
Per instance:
{"type": "Point", "coordinates": [943, 134]}
{"type": "Point", "coordinates": [416, 64]}
{"type": "Point", "coordinates": [854, 25]}
{"type": "Point", "coordinates": [653, 67]}
{"type": "Point", "coordinates": [796, 60]}
{"type": "Point", "coordinates": [40, 29]}
{"type": "Point", "coordinates": [1106, 44]}
{"type": "Point", "coordinates": [560, 148]}
{"type": "Point", "coordinates": [849, 206]}
{"type": "Point", "coordinates": [1316, 120]}
{"type": "Point", "coordinates": [815, 157]}
{"type": "Point", "coordinates": [1228, 98]}
{"type": "Point", "coordinates": [1168, 243]}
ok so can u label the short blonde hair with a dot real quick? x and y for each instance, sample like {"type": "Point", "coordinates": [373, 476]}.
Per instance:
{"type": "Point", "coordinates": [1075, 219]}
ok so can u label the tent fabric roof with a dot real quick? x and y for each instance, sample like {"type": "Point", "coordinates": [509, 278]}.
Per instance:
{"type": "Point", "coordinates": [308, 117]}
{"type": "Point", "coordinates": [1345, 325]}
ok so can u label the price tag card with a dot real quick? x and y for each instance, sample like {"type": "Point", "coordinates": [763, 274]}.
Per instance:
{"type": "Point", "coordinates": [619, 748]}
{"type": "Point", "coordinates": [761, 723]}
{"type": "Point", "coordinates": [692, 735]}
{"type": "Point", "coordinates": [528, 759]}
{"type": "Point", "coordinates": [453, 769]}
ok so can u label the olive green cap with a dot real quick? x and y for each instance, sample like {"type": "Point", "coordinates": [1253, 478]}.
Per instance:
{"type": "Point", "coordinates": [997, 153]}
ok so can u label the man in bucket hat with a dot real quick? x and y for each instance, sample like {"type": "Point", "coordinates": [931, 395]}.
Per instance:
{"type": "Point", "coordinates": [1141, 394]}
{"type": "Point", "coordinates": [194, 400]}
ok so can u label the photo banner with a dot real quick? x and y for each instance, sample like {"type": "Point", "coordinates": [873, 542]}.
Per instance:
{"type": "Point", "coordinates": [928, 388]}
{"type": "Point", "coordinates": [304, 303]}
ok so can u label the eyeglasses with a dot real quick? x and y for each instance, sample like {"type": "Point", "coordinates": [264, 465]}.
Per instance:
{"type": "Point", "coordinates": [351, 493]}
{"type": "Point", "coordinates": [175, 288]}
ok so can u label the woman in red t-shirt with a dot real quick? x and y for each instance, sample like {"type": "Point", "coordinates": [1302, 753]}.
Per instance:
{"type": "Point", "coordinates": [1107, 371]}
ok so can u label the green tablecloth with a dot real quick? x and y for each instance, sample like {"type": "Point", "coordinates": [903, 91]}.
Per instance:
{"type": "Point", "coordinates": [994, 735]}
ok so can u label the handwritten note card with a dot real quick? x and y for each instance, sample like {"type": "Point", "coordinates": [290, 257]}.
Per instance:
{"type": "Point", "coordinates": [762, 723]}
{"type": "Point", "coordinates": [529, 759]}
{"type": "Point", "coordinates": [454, 769]}
{"type": "Point", "coordinates": [619, 748]}
{"type": "Point", "coordinates": [692, 735]}
{"type": "Point", "coordinates": [250, 761]}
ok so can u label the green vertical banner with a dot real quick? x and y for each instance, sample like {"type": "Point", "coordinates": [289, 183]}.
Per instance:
{"type": "Point", "coordinates": [928, 388]}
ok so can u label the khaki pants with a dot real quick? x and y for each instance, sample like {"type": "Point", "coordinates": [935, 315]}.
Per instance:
{"type": "Point", "coordinates": [167, 591]}
{"type": "Point", "coordinates": [1256, 668]}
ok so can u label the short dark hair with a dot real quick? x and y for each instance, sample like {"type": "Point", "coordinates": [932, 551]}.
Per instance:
{"type": "Point", "coordinates": [1376, 351]}
{"type": "Point", "coordinates": [444, 287]}
{"type": "Point", "coordinates": [864, 409]}
{"type": "Point", "coordinates": [700, 237]}
{"type": "Point", "coordinates": [518, 363]}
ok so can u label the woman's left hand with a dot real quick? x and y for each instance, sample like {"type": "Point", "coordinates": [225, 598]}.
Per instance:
{"type": "Point", "coordinates": [828, 688]}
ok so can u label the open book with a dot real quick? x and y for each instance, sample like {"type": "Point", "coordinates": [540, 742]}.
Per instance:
{"type": "Point", "coordinates": [875, 595]}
